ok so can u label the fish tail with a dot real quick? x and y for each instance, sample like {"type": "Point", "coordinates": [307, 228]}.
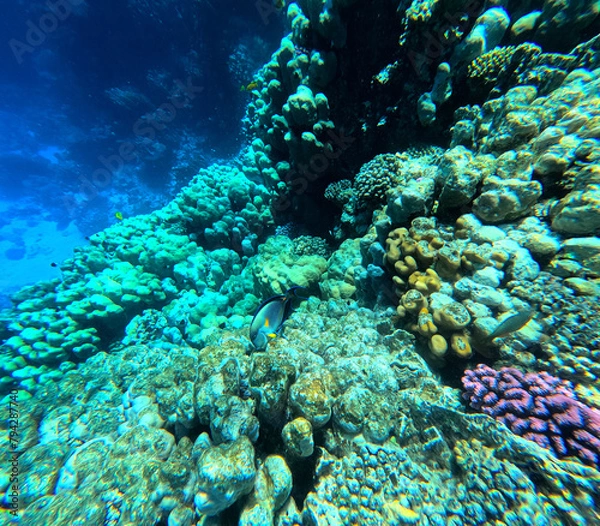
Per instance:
{"type": "Point", "coordinates": [292, 292]}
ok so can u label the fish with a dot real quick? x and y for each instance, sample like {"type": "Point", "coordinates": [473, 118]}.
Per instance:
{"type": "Point", "coordinates": [269, 318]}
{"type": "Point", "coordinates": [511, 323]}
{"type": "Point", "coordinates": [53, 264]}
{"type": "Point", "coordinates": [119, 216]}
{"type": "Point", "coordinates": [249, 87]}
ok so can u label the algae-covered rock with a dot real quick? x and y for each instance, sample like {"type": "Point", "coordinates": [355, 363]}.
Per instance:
{"type": "Point", "coordinates": [579, 212]}
{"type": "Point", "coordinates": [271, 490]}
{"type": "Point", "coordinates": [339, 280]}
{"type": "Point", "coordinates": [297, 437]}
{"type": "Point", "coordinates": [583, 250]}
{"type": "Point", "coordinates": [270, 380]}
{"type": "Point", "coordinates": [310, 398]}
{"type": "Point", "coordinates": [506, 199]}
{"type": "Point", "coordinates": [225, 473]}
{"type": "Point", "coordinates": [460, 175]}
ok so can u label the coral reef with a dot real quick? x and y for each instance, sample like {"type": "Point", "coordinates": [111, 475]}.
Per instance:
{"type": "Point", "coordinates": [386, 432]}
{"type": "Point", "coordinates": [448, 282]}
{"type": "Point", "coordinates": [538, 407]}
{"type": "Point", "coordinates": [546, 137]}
{"type": "Point", "coordinates": [141, 395]}
{"type": "Point", "coordinates": [151, 261]}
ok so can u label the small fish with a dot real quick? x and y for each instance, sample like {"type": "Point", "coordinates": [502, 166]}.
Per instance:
{"type": "Point", "coordinates": [119, 216]}
{"type": "Point", "coordinates": [512, 323]}
{"type": "Point", "coordinates": [249, 87]}
{"type": "Point", "coordinates": [53, 264]}
{"type": "Point", "coordinates": [269, 317]}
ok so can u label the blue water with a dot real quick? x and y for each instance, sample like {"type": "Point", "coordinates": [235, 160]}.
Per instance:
{"type": "Point", "coordinates": [74, 98]}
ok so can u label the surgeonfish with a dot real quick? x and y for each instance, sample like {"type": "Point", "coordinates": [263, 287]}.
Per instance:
{"type": "Point", "coordinates": [269, 317]}
{"type": "Point", "coordinates": [512, 323]}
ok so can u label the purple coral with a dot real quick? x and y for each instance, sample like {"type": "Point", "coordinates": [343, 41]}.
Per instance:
{"type": "Point", "coordinates": [539, 407]}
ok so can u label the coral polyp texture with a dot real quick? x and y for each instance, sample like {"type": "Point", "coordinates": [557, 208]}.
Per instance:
{"type": "Point", "coordinates": [416, 194]}
{"type": "Point", "coordinates": [538, 407]}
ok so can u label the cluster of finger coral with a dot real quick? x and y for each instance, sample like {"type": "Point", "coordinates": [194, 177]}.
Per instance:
{"type": "Point", "coordinates": [149, 279]}
{"type": "Point", "coordinates": [518, 154]}
{"type": "Point", "coordinates": [289, 116]}
{"type": "Point", "coordinates": [538, 407]}
{"type": "Point", "coordinates": [448, 281]}
{"type": "Point", "coordinates": [506, 47]}
{"type": "Point", "coordinates": [298, 116]}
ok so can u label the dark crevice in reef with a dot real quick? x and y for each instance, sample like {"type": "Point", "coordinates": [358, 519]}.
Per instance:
{"type": "Point", "coordinates": [269, 439]}
{"type": "Point", "coordinates": [231, 516]}
{"type": "Point", "coordinates": [555, 185]}
{"type": "Point", "coordinates": [303, 469]}
{"type": "Point", "coordinates": [448, 216]}
{"type": "Point", "coordinates": [303, 472]}
{"type": "Point", "coordinates": [192, 433]}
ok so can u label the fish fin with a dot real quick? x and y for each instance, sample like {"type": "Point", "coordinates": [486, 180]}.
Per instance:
{"type": "Point", "coordinates": [272, 335]}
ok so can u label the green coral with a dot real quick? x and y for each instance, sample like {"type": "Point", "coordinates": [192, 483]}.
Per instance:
{"type": "Point", "coordinates": [141, 263]}
{"type": "Point", "coordinates": [311, 246]}
{"type": "Point", "coordinates": [279, 267]}
{"type": "Point", "coordinates": [339, 280]}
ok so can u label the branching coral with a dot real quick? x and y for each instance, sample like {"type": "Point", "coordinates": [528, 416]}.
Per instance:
{"type": "Point", "coordinates": [539, 407]}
